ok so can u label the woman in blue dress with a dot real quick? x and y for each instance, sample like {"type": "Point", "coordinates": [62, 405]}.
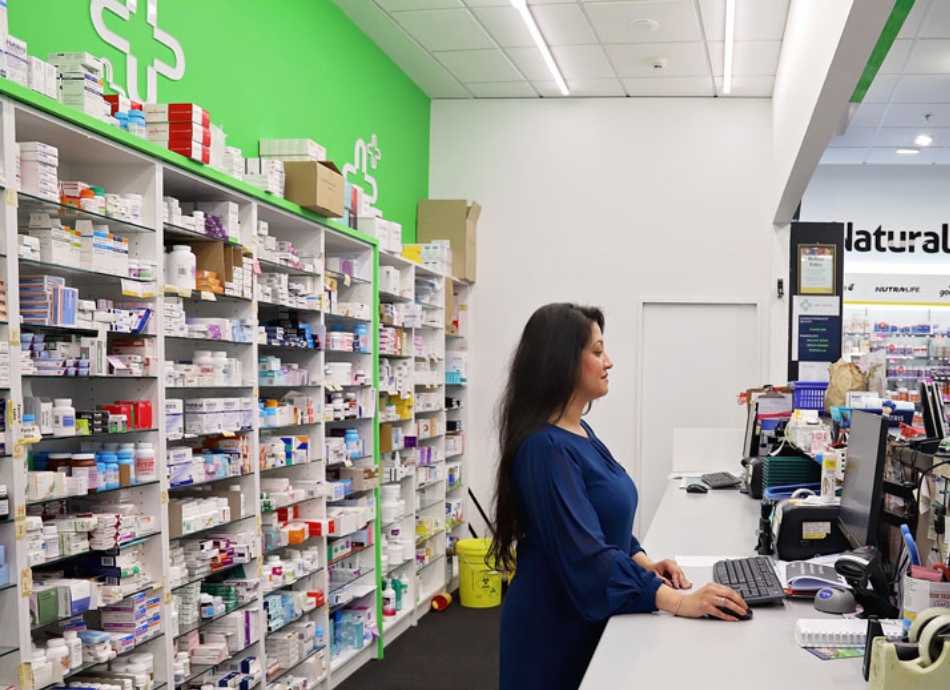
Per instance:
{"type": "Point", "coordinates": [565, 507]}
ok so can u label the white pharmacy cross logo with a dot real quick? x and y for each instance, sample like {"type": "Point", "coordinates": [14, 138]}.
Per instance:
{"type": "Point", "coordinates": [124, 9]}
{"type": "Point", "coordinates": [364, 153]}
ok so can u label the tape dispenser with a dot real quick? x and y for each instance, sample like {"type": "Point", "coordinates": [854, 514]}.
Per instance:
{"type": "Point", "coordinates": [892, 668]}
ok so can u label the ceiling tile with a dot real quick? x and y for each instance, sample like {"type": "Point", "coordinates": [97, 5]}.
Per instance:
{"type": "Point", "coordinates": [563, 25]}
{"type": "Point", "coordinates": [881, 89]}
{"type": "Point", "coordinates": [748, 86]}
{"type": "Point", "coordinates": [855, 136]}
{"type": "Point", "coordinates": [474, 66]}
{"type": "Point", "coordinates": [918, 115]}
{"type": "Point", "coordinates": [923, 88]}
{"type": "Point", "coordinates": [510, 89]}
{"type": "Point", "coordinates": [505, 26]}
{"type": "Point", "coordinates": [530, 63]}
{"type": "Point", "coordinates": [669, 86]}
{"type": "Point", "coordinates": [943, 157]}
{"type": "Point", "coordinates": [582, 62]}
{"type": "Point", "coordinates": [752, 58]}
{"type": "Point", "coordinates": [844, 156]}
{"type": "Point", "coordinates": [930, 56]}
{"type": "Point", "coordinates": [612, 21]}
{"type": "Point", "coordinates": [894, 62]}
{"type": "Point", "coordinates": [911, 24]}
{"type": "Point", "coordinates": [486, 3]}
{"type": "Point", "coordinates": [938, 20]}
{"type": "Point", "coordinates": [755, 20]}
{"type": "Point", "coordinates": [404, 5]}
{"type": "Point", "coordinates": [869, 115]}
{"type": "Point", "coordinates": [683, 59]}
{"type": "Point", "coordinates": [904, 136]}
{"type": "Point", "coordinates": [890, 156]}
{"type": "Point", "coordinates": [444, 29]}
{"type": "Point", "coordinates": [583, 88]}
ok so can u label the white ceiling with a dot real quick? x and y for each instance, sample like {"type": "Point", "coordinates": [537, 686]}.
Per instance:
{"type": "Point", "coordinates": [481, 48]}
{"type": "Point", "coordinates": [909, 96]}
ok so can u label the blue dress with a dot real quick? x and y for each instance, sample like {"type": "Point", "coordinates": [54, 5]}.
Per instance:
{"type": "Point", "coordinates": [574, 567]}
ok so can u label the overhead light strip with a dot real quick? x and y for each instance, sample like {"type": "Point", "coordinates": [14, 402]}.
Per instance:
{"type": "Point", "coordinates": [528, 19]}
{"type": "Point", "coordinates": [730, 46]}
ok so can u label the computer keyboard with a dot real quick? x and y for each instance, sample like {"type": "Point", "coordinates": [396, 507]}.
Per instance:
{"type": "Point", "coordinates": [720, 480]}
{"type": "Point", "coordinates": [753, 578]}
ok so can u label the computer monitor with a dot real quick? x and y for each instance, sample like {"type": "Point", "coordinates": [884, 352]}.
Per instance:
{"type": "Point", "coordinates": [861, 493]}
{"type": "Point", "coordinates": [932, 410]}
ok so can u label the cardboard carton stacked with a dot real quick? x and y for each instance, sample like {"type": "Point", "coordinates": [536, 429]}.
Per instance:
{"type": "Point", "coordinates": [44, 78]}
{"type": "Point", "coordinates": [266, 174]}
{"type": "Point", "coordinates": [16, 60]}
{"type": "Point", "coordinates": [184, 128]}
{"type": "Point", "coordinates": [234, 162]}
{"type": "Point", "coordinates": [39, 169]}
{"type": "Point", "coordinates": [80, 83]}
{"type": "Point", "coordinates": [269, 172]}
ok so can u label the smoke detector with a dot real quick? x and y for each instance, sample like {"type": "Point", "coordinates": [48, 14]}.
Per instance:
{"type": "Point", "coordinates": [644, 25]}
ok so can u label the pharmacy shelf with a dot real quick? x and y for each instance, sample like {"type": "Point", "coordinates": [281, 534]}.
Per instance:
{"type": "Point", "coordinates": [356, 549]}
{"type": "Point", "coordinates": [344, 658]}
{"type": "Point", "coordinates": [212, 341]}
{"type": "Point", "coordinates": [96, 377]}
{"type": "Point", "coordinates": [343, 277]}
{"type": "Point", "coordinates": [11, 585]}
{"type": "Point", "coordinates": [295, 581]}
{"type": "Point", "coordinates": [284, 671]}
{"type": "Point", "coordinates": [202, 622]}
{"type": "Point", "coordinates": [81, 276]}
{"type": "Point", "coordinates": [346, 320]}
{"type": "Point", "coordinates": [275, 267]}
{"type": "Point", "coordinates": [201, 578]}
{"type": "Point", "coordinates": [200, 670]}
{"type": "Point", "coordinates": [394, 568]}
{"type": "Point", "coordinates": [398, 618]}
{"type": "Point", "coordinates": [210, 434]}
{"type": "Point", "coordinates": [6, 651]}
{"type": "Point", "coordinates": [426, 537]}
{"type": "Point", "coordinates": [437, 559]}
{"type": "Point", "coordinates": [393, 298]}
{"type": "Point", "coordinates": [179, 234]}
{"type": "Point", "coordinates": [337, 586]}
{"type": "Point", "coordinates": [213, 527]}
{"type": "Point", "coordinates": [286, 467]}
{"type": "Point", "coordinates": [290, 505]}
{"type": "Point", "coordinates": [142, 590]}
{"type": "Point", "coordinates": [97, 437]}
{"type": "Point", "coordinates": [205, 296]}
{"type": "Point", "coordinates": [68, 215]}
{"type": "Point", "coordinates": [95, 494]}
{"type": "Point", "coordinates": [290, 621]}
{"type": "Point", "coordinates": [75, 330]}
{"type": "Point", "coordinates": [89, 665]}
{"type": "Point", "coordinates": [309, 540]}
{"type": "Point", "coordinates": [206, 482]}
{"type": "Point", "coordinates": [278, 305]}
{"type": "Point", "coordinates": [63, 559]}
{"type": "Point", "coordinates": [288, 348]}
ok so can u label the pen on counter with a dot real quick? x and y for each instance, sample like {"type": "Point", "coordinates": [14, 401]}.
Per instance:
{"type": "Point", "coordinates": [911, 545]}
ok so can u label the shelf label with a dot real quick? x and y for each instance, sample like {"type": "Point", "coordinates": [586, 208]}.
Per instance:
{"type": "Point", "coordinates": [208, 296]}
{"type": "Point", "coordinates": [20, 512]}
{"type": "Point", "coordinates": [25, 673]}
{"type": "Point", "coordinates": [26, 582]}
{"type": "Point", "coordinates": [21, 530]}
{"type": "Point", "coordinates": [164, 497]}
{"type": "Point", "coordinates": [12, 199]}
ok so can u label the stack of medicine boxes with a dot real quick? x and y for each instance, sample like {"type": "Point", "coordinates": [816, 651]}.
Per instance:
{"type": "Point", "coordinates": [39, 170]}
{"type": "Point", "coordinates": [80, 83]}
{"type": "Point", "coordinates": [184, 128]}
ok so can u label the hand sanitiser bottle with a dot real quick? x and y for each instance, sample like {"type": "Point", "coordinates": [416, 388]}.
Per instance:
{"type": "Point", "coordinates": [389, 601]}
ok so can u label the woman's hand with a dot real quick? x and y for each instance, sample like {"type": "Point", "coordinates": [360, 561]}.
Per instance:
{"type": "Point", "coordinates": [706, 600]}
{"type": "Point", "coordinates": [672, 574]}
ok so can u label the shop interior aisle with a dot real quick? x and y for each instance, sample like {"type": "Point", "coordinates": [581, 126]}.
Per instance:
{"type": "Point", "coordinates": [457, 648]}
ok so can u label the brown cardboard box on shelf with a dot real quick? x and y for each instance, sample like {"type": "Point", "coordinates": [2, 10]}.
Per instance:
{"type": "Point", "coordinates": [317, 186]}
{"type": "Point", "coordinates": [218, 257]}
{"type": "Point", "coordinates": [453, 220]}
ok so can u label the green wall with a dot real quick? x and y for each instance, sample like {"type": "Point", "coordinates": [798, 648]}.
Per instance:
{"type": "Point", "coordinates": [265, 69]}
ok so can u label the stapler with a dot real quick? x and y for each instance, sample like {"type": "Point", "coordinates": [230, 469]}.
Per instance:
{"type": "Point", "coordinates": [930, 670]}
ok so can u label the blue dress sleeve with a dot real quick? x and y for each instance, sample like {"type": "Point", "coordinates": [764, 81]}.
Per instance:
{"type": "Point", "coordinates": [635, 547]}
{"type": "Point", "coordinates": [601, 580]}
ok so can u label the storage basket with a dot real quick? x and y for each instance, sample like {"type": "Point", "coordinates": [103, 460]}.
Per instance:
{"type": "Point", "coordinates": [809, 395]}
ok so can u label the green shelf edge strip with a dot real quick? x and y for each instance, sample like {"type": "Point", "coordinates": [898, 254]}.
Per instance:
{"type": "Point", "coordinates": [64, 112]}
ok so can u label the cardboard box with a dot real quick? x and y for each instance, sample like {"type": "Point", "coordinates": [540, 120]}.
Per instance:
{"type": "Point", "coordinates": [316, 186]}
{"type": "Point", "coordinates": [453, 220]}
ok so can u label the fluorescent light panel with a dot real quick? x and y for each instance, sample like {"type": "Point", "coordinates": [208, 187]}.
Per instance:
{"type": "Point", "coordinates": [908, 152]}
{"type": "Point", "coordinates": [924, 140]}
{"type": "Point", "coordinates": [526, 16]}
{"type": "Point", "coordinates": [730, 46]}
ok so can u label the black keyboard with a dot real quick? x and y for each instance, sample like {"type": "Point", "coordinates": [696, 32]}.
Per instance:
{"type": "Point", "coordinates": [720, 480]}
{"type": "Point", "coordinates": [753, 578]}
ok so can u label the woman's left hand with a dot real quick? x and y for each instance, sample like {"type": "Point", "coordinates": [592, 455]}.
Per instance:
{"type": "Point", "coordinates": [672, 574]}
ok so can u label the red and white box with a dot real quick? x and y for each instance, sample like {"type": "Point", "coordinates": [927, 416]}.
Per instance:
{"type": "Point", "coordinates": [121, 103]}
{"type": "Point", "coordinates": [194, 151]}
{"type": "Point", "coordinates": [177, 112]}
{"type": "Point", "coordinates": [178, 133]}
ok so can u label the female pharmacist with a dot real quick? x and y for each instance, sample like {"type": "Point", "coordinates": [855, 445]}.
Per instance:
{"type": "Point", "coordinates": [567, 507]}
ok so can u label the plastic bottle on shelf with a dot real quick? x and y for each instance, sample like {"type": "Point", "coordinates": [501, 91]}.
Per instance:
{"type": "Point", "coordinates": [351, 438]}
{"type": "Point", "coordinates": [74, 644]}
{"type": "Point", "coordinates": [389, 600]}
{"type": "Point", "coordinates": [181, 267]}
{"type": "Point", "coordinates": [360, 338]}
{"type": "Point", "coordinates": [145, 468]}
{"type": "Point", "coordinates": [42, 669]}
{"type": "Point", "coordinates": [220, 371]}
{"type": "Point", "coordinates": [64, 417]}
{"type": "Point", "coordinates": [205, 363]}
{"type": "Point", "coordinates": [126, 461]}
{"type": "Point", "coordinates": [58, 655]}
{"type": "Point", "coordinates": [85, 465]}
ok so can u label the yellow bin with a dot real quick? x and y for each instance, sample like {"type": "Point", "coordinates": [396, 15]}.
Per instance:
{"type": "Point", "coordinates": [479, 584]}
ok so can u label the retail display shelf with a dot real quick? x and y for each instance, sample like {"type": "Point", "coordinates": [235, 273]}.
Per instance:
{"type": "Point", "coordinates": [333, 351]}
{"type": "Point", "coordinates": [305, 657]}
{"type": "Point", "coordinates": [421, 539]}
{"type": "Point", "coordinates": [210, 434]}
{"type": "Point", "coordinates": [308, 540]}
{"type": "Point", "coordinates": [351, 494]}
{"type": "Point", "coordinates": [279, 305]}
{"type": "Point", "coordinates": [343, 319]}
{"type": "Point", "coordinates": [213, 527]}
{"type": "Point", "coordinates": [429, 412]}
{"type": "Point", "coordinates": [200, 670]}
{"type": "Point", "coordinates": [291, 621]}
{"type": "Point", "coordinates": [337, 607]}
{"type": "Point", "coordinates": [286, 467]}
{"type": "Point", "coordinates": [348, 419]}
{"type": "Point", "coordinates": [398, 618]}
{"type": "Point", "coordinates": [388, 355]}
{"type": "Point", "coordinates": [209, 341]}
{"type": "Point", "coordinates": [93, 664]}
{"type": "Point", "coordinates": [205, 576]}
{"type": "Point", "coordinates": [343, 462]}
{"type": "Point", "coordinates": [427, 506]}
{"type": "Point", "coordinates": [206, 482]}
{"type": "Point", "coordinates": [96, 377]}
{"type": "Point", "coordinates": [275, 267]}
{"type": "Point", "coordinates": [393, 298]}
{"type": "Point", "coordinates": [425, 566]}
{"type": "Point", "coordinates": [6, 651]}
{"type": "Point", "coordinates": [83, 276]}
{"type": "Point", "coordinates": [177, 232]}
{"type": "Point", "coordinates": [104, 492]}
{"type": "Point", "coordinates": [293, 386]}
{"type": "Point", "coordinates": [356, 550]}
{"type": "Point", "coordinates": [290, 505]}
{"type": "Point", "coordinates": [76, 330]}
{"type": "Point", "coordinates": [205, 296]}
{"type": "Point", "coordinates": [394, 568]}
{"type": "Point", "coordinates": [62, 559]}
{"type": "Point", "coordinates": [288, 348]}
{"type": "Point", "coordinates": [205, 621]}
{"type": "Point", "coordinates": [68, 215]}
{"type": "Point", "coordinates": [296, 580]}
{"type": "Point", "coordinates": [454, 487]}
{"type": "Point", "coordinates": [336, 586]}
{"type": "Point", "coordinates": [10, 585]}
{"type": "Point", "coordinates": [344, 658]}
{"type": "Point", "coordinates": [142, 590]}
{"type": "Point", "coordinates": [210, 387]}
{"type": "Point", "coordinates": [346, 277]}
{"type": "Point", "coordinates": [97, 437]}
{"type": "Point", "coordinates": [454, 455]}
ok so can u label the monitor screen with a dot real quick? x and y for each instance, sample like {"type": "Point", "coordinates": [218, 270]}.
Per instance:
{"type": "Point", "coordinates": [861, 493]}
{"type": "Point", "coordinates": [932, 409]}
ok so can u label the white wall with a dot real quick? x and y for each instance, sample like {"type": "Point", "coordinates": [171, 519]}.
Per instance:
{"type": "Point", "coordinates": [604, 202]}
{"type": "Point", "coordinates": [897, 197]}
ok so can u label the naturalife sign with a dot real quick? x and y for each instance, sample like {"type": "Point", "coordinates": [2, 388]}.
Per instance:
{"type": "Point", "coordinates": [870, 288]}
{"type": "Point", "coordinates": [897, 241]}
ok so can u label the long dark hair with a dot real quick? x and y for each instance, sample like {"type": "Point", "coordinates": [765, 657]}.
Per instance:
{"type": "Point", "coordinates": [542, 377]}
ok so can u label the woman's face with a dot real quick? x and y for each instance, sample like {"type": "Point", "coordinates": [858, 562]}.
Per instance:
{"type": "Point", "coordinates": [595, 364]}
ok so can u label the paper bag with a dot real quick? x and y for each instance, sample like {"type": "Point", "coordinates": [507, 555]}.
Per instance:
{"type": "Point", "coordinates": [843, 377]}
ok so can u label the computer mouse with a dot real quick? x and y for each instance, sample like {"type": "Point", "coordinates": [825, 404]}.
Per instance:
{"type": "Point", "coordinates": [730, 612]}
{"type": "Point", "coordinates": [697, 489]}
{"type": "Point", "coordinates": [833, 600]}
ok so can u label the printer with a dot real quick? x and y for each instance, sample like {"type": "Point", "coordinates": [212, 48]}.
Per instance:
{"type": "Point", "coordinates": [803, 529]}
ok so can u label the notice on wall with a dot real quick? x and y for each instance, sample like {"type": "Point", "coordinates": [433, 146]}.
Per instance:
{"type": "Point", "coordinates": [816, 269]}
{"type": "Point", "coordinates": [816, 329]}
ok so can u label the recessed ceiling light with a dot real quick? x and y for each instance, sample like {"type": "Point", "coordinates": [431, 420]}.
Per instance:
{"type": "Point", "coordinates": [924, 140]}
{"type": "Point", "coordinates": [644, 25]}
{"type": "Point", "coordinates": [908, 152]}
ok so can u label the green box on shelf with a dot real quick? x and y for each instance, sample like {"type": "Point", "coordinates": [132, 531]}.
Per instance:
{"type": "Point", "coordinates": [44, 605]}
